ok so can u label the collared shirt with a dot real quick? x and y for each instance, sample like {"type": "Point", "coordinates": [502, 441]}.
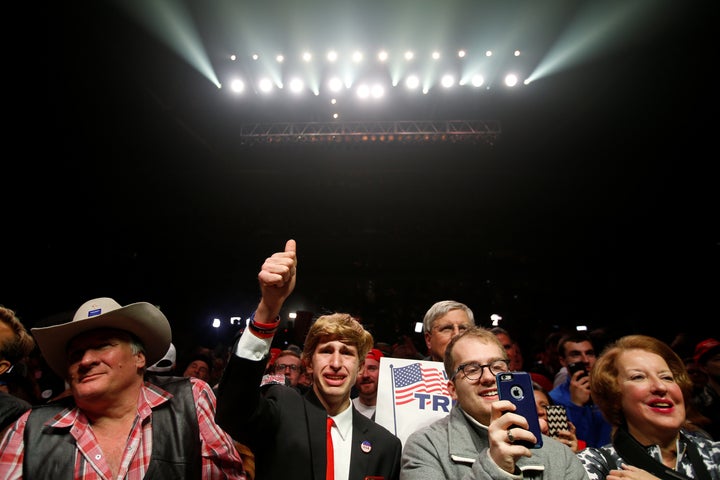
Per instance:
{"type": "Point", "coordinates": [342, 443]}
{"type": "Point", "coordinates": [220, 459]}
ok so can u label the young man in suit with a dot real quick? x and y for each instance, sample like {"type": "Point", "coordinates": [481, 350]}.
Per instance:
{"type": "Point", "coordinates": [286, 430]}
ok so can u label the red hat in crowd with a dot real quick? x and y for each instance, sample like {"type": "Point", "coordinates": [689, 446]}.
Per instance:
{"type": "Point", "coordinates": [274, 353]}
{"type": "Point", "coordinates": [375, 354]}
{"type": "Point", "coordinates": [704, 349]}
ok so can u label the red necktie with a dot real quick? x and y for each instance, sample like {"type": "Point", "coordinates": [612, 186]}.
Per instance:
{"type": "Point", "coordinates": [330, 469]}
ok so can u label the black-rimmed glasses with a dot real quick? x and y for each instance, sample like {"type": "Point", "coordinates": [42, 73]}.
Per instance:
{"type": "Point", "coordinates": [474, 370]}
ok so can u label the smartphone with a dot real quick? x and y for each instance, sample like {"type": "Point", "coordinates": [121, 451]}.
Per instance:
{"type": "Point", "coordinates": [557, 419]}
{"type": "Point", "coordinates": [575, 367]}
{"type": "Point", "coordinates": [517, 387]}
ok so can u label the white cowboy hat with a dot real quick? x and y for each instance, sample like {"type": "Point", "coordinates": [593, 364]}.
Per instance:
{"type": "Point", "coordinates": [142, 319]}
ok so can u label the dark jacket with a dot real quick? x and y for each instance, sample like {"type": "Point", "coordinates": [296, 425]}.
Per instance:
{"type": "Point", "coordinates": [286, 430]}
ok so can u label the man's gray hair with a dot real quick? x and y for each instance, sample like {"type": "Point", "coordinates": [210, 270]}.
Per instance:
{"type": "Point", "coordinates": [440, 309]}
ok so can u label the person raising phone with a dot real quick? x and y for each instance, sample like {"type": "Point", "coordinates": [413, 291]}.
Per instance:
{"type": "Point", "coordinates": [478, 438]}
{"type": "Point", "coordinates": [574, 393]}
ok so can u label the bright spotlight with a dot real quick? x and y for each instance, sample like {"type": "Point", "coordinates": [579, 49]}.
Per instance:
{"type": "Point", "coordinates": [233, 57]}
{"type": "Point", "coordinates": [332, 56]}
{"type": "Point", "coordinates": [409, 55]}
{"type": "Point", "coordinates": [307, 56]}
{"type": "Point", "coordinates": [255, 56]}
{"type": "Point", "coordinates": [363, 91]}
{"type": "Point", "coordinates": [478, 80]}
{"type": "Point", "coordinates": [296, 85]}
{"type": "Point", "coordinates": [461, 53]}
{"type": "Point", "coordinates": [488, 53]}
{"type": "Point", "coordinates": [383, 56]}
{"type": "Point", "coordinates": [511, 80]}
{"type": "Point", "coordinates": [335, 84]}
{"type": "Point", "coordinates": [447, 81]}
{"type": "Point", "coordinates": [237, 86]}
{"type": "Point", "coordinates": [436, 55]}
{"type": "Point", "coordinates": [280, 58]}
{"type": "Point", "coordinates": [412, 82]}
{"type": "Point", "coordinates": [377, 91]}
{"type": "Point", "coordinates": [357, 57]}
{"type": "Point", "coordinates": [265, 85]}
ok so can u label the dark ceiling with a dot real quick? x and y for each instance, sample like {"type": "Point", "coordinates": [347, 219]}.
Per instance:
{"type": "Point", "coordinates": [595, 205]}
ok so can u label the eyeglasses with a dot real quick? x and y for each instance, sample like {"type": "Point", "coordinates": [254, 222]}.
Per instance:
{"type": "Point", "coordinates": [450, 328]}
{"type": "Point", "coordinates": [474, 370]}
{"type": "Point", "coordinates": [281, 368]}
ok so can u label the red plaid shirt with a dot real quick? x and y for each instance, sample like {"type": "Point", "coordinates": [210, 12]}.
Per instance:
{"type": "Point", "coordinates": [220, 459]}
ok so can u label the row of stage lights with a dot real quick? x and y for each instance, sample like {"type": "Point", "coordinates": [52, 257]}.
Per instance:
{"type": "Point", "coordinates": [267, 83]}
{"type": "Point", "coordinates": [332, 56]}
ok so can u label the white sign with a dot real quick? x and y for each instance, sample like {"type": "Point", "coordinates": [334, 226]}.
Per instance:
{"type": "Point", "coordinates": [411, 395]}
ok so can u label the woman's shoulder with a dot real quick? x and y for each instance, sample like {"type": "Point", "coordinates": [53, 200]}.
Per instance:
{"type": "Point", "coordinates": [599, 461]}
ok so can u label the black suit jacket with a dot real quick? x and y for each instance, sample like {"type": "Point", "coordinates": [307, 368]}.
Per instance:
{"type": "Point", "coordinates": [286, 430]}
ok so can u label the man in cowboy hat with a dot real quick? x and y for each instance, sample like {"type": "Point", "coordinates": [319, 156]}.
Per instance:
{"type": "Point", "coordinates": [114, 424]}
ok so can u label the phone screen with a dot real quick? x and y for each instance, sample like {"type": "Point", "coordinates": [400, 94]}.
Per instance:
{"type": "Point", "coordinates": [517, 387]}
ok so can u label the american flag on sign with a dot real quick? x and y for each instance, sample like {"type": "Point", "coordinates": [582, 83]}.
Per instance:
{"type": "Point", "coordinates": [414, 379]}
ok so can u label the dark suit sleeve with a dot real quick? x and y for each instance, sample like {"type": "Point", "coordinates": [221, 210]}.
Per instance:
{"type": "Point", "coordinates": [239, 400]}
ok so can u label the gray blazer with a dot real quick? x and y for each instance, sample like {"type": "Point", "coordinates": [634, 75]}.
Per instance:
{"type": "Point", "coordinates": [453, 447]}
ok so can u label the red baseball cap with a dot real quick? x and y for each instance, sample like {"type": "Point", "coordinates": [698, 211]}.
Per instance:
{"type": "Point", "coordinates": [375, 354]}
{"type": "Point", "coordinates": [704, 349]}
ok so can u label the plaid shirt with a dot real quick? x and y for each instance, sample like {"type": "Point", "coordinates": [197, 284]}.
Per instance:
{"type": "Point", "coordinates": [220, 459]}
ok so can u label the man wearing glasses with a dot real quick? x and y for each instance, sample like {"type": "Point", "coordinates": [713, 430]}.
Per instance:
{"type": "Point", "coordinates": [288, 363]}
{"type": "Point", "coordinates": [479, 438]}
{"type": "Point", "coordinates": [443, 321]}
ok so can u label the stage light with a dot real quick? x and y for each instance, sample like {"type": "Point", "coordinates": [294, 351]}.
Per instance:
{"type": "Point", "coordinates": [447, 81]}
{"type": "Point", "coordinates": [511, 80]}
{"type": "Point", "coordinates": [335, 84]}
{"type": "Point", "coordinates": [237, 86]}
{"type": "Point", "coordinates": [296, 85]}
{"type": "Point", "coordinates": [265, 85]}
{"type": "Point", "coordinates": [412, 82]}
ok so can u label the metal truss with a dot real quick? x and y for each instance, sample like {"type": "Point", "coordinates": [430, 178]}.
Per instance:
{"type": "Point", "coordinates": [406, 131]}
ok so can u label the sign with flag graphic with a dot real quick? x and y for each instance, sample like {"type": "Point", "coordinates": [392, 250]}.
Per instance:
{"type": "Point", "coordinates": [411, 394]}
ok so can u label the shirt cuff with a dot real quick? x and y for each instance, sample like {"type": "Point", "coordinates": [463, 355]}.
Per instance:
{"type": "Point", "coordinates": [250, 347]}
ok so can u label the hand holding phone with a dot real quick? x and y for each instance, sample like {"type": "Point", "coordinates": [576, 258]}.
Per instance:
{"type": "Point", "coordinates": [517, 387]}
{"type": "Point", "coordinates": [577, 367]}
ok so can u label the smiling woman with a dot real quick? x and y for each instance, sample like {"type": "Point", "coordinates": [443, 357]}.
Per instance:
{"type": "Point", "coordinates": [642, 387]}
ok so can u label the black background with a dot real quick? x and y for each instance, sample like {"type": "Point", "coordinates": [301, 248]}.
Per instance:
{"type": "Point", "coordinates": [596, 205]}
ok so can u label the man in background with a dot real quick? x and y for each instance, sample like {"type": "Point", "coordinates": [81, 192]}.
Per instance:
{"type": "Point", "coordinates": [441, 323]}
{"type": "Point", "coordinates": [367, 384]}
{"type": "Point", "coordinates": [15, 345]}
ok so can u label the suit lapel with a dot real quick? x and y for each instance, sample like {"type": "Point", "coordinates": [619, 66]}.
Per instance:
{"type": "Point", "coordinates": [358, 459]}
{"type": "Point", "coordinates": [315, 415]}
